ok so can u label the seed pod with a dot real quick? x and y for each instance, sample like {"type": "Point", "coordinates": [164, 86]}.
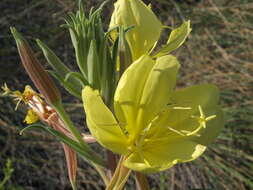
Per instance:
{"type": "Point", "coordinates": [36, 72]}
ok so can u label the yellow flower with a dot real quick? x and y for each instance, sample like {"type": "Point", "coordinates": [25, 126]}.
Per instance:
{"type": "Point", "coordinates": [154, 126]}
{"type": "Point", "coordinates": [146, 26]}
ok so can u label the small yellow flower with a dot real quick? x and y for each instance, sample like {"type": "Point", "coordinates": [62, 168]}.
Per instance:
{"type": "Point", "coordinates": [155, 127]}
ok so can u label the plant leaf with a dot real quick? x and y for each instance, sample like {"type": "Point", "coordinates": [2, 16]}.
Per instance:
{"type": "Point", "coordinates": [77, 76]}
{"type": "Point", "coordinates": [67, 85]}
{"type": "Point", "coordinates": [58, 66]}
{"type": "Point", "coordinates": [93, 66]}
{"type": "Point", "coordinates": [86, 154]}
{"type": "Point", "coordinates": [176, 39]}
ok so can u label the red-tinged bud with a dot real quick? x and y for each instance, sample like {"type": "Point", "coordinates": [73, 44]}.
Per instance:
{"type": "Point", "coordinates": [36, 72]}
{"type": "Point", "coordinates": [71, 160]}
{"type": "Point", "coordinates": [70, 155]}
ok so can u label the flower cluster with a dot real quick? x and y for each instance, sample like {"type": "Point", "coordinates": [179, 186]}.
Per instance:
{"type": "Point", "coordinates": [154, 126]}
{"type": "Point", "coordinates": [127, 86]}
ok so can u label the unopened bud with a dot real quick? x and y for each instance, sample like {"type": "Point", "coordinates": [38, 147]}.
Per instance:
{"type": "Point", "coordinates": [125, 55]}
{"type": "Point", "coordinates": [147, 27]}
{"type": "Point", "coordinates": [36, 72]}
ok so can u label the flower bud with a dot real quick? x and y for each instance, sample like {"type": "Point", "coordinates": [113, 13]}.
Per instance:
{"type": "Point", "coordinates": [146, 26]}
{"type": "Point", "coordinates": [125, 56]}
{"type": "Point", "coordinates": [36, 72]}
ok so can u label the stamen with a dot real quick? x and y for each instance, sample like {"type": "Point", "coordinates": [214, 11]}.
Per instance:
{"type": "Point", "coordinates": [202, 115]}
{"type": "Point", "coordinates": [142, 156]}
{"type": "Point", "coordinates": [195, 132]}
{"type": "Point", "coordinates": [182, 108]}
{"type": "Point", "coordinates": [202, 119]}
{"type": "Point", "coordinates": [210, 117]}
{"type": "Point", "coordinates": [176, 131]}
{"type": "Point", "coordinates": [190, 133]}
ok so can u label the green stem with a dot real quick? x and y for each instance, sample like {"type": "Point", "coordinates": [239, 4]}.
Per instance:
{"type": "Point", "coordinates": [102, 174]}
{"type": "Point", "coordinates": [73, 185]}
{"type": "Point", "coordinates": [65, 118]}
{"type": "Point", "coordinates": [115, 176]}
{"type": "Point", "coordinates": [120, 176]}
{"type": "Point", "coordinates": [123, 177]}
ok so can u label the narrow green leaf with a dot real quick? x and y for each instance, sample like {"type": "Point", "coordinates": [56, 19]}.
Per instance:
{"type": "Point", "coordinates": [59, 67]}
{"type": "Point", "coordinates": [93, 66]}
{"type": "Point", "coordinates": [67, 85]}
{"type": "Point", "coordinates": [176, 39]}
{"type": "Point", "coordinates": [87, 154]}
{"type": "Point", "coordinates": [115, 48]}
{"type": "Point", "coordinates": [81, 52]}
{"type": "Point", "coordinates": [76, 76]}
{"type": "Point", "coordinates": [74, 37]}
{"type": "Point", "coordinates": [34, 126]}
{"type": "Point", "coordinates": [52, 59]}
{"type": "Point", "coordinates": [107, 76]}
{"type": "Point", "coordinates": [125, 55]}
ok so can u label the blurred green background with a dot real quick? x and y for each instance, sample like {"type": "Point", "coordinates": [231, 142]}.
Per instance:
{"type": "Point", "coordinates": [219, 51]}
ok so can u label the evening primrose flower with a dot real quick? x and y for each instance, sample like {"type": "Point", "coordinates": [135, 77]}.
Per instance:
{"type": "Point", "coordinates": [155, 126]}
{"type": "Point", "coordinates": [146, 26]}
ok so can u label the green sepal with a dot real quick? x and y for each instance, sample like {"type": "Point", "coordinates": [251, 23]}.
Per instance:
{"type": "Point", "coordinates": [81, 54]}
{"type": "Point", "coordinates": [52, 59]}
{"type": "Point", "coordinates": [176, 39]}
{"type": "Point", "coordinates": [88, 155]}
{"type": "Point", "coordinates": [76, 25]}
{"type": "Point", "coordinates": [108, 74]}
{"type": "Point", "coordinates": [67, 85]}
{"type": "Point", "coordinates": [93, 66]}
{"type": "Point", "coordinates": [124, 51]}
{"type": "Point", "coordinates": [59, 67]}
{"type": "Point", "coordinates": [115, 74]}
{"type": "Point", "coordinates": [77, 76]}
{"type": "Point", "coordinates": [83, 30]}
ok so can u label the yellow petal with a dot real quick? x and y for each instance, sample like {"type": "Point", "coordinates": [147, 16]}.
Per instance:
{"type": "Point", "coordinates": [102, 123]}
{"type": "Point", "coordinates": [147, 28]}
{"type": "Point", "coordinates": [31, 117]}
{"type": "Point", "coordinates": [204, 95]}
{"type": "Point", "coordinates": [161, 156]}
{"type": "Point", "coordinates": [158, 89]}
{"type": "Point", "coordinates": [129, 91]}
{"type": "Point", "coordinates": [213, 127]}
{"type": "Point", "coordinates": [176, 39]}
{"type": "Point", "coordinates": [168, 154]}
{"type": "Point", "coordinates": [135, 162]}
